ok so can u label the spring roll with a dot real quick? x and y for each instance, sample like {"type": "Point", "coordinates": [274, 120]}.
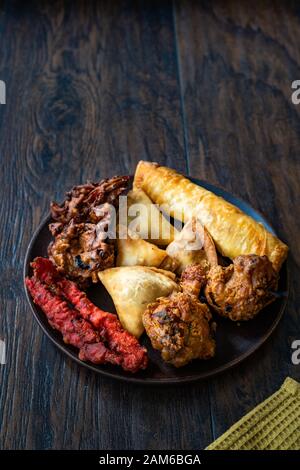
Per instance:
{"type": "Point", "coordinates": [233, 232]}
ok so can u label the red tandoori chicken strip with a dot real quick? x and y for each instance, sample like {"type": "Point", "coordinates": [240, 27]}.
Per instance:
{"type": "Point", "coordinates": [124, 345]}
{"type": "Point", "coordinates": [118, 339]}
{"type": "Point", "coordinates": [75, 330]}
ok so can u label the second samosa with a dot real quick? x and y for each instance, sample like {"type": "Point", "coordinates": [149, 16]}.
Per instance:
{"type": "Point", "coordinates": [132, 288]}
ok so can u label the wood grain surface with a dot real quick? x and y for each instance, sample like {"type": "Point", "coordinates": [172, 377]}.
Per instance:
{"type": "Point", "coordinates": [93, 87]}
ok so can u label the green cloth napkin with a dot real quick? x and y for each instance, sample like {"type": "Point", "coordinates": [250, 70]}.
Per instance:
{"type": "Point", "coordinates": [272, 425]}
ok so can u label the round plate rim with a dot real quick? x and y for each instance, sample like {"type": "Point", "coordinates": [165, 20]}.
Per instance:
{"type": "Point", "coordinates": [162, 381]}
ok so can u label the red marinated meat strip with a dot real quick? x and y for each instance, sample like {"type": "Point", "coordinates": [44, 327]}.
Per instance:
{"type": "Point", "coordinates": [75, 330]}
{"type": "Point", "coordinates": [119, 340]}
{"type": "Point", "coordinates": [133, 355]}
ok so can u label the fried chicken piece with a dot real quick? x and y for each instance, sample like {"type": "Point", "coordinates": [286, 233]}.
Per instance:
{"type": "Point", "coordinates": [193, 279]}
{"type": "Point", "coordinates": [81, 247]}
{"type": "Point", "coordinates": [242, 289]}
{"type": "Point", "coordinates": [179, 327]}
{"type": "Point", "coordinates": [193, 245]}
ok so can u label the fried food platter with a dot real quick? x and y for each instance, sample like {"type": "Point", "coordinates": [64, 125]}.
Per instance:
{"type": "Point", "coordinates": [227, 342]}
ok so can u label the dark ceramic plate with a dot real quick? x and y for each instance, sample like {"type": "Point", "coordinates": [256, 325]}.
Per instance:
{"type": "Point", "coordinates": [235, 342]}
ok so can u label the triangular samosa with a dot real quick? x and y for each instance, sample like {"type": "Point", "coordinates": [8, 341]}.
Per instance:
{"type": "Point", "coordinates": [132, 288]}
{"type": "Point", "coordinates": [149, 222]}
{"type": "Point", "coordinates": [134, 251]}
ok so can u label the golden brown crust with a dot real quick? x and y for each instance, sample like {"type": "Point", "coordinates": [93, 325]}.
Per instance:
{"type": "Point", "coordinates": [193, 245]}
{"type": "Point", "coordinates": [133, 251]}
{"type": "Point", "coordinates": [165, 231]}
{"type": "Point", "coordinates": [193, 279]}
{"type": "Point", "coordinates": [243, 289]}
{"type": "Point", "coordinates": [233, 232]}
{"type": "Point", "coordinates": [132, 288]}
{"type": "Point", "coordinates": [179, 327]}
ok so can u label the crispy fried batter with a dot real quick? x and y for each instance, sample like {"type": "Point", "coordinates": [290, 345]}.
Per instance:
{"type": "Point", "coordinates": [179, 327]}
{"type": "Point", "coordinates": [83, 201]}
{"type": "Point", "coordinates": [80, 252]}
{"type": "Point", "coordinates": [242, 289]}
{"type": "Point", "coordinates": [193, 279]}
{"type": "Point", "coordinates": [81, 248]}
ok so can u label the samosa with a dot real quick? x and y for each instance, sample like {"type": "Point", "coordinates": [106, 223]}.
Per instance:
{"type": "Point", "coordinates": [147, 220]}
{"type": "Point", "coordinates": [132, 288]}
{"type": "Point", "coordinates": [134, 251]}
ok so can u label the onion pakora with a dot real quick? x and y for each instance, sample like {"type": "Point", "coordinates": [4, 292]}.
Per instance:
{"type": "Point", "coordinates": [81, 247]}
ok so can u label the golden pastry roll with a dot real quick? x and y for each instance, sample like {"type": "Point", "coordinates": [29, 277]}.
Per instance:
{"type": "Point", "coordinates": [233, 232]}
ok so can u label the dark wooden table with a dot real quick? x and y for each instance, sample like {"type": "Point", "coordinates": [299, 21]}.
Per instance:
{"type": "Point", "coordinates": [93, 87]}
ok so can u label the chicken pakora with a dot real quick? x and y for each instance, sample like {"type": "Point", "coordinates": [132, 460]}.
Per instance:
{"type": "Point", "coordinates": [240, 290]}
{"type": "Point", "coordinates": [180, 325]}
